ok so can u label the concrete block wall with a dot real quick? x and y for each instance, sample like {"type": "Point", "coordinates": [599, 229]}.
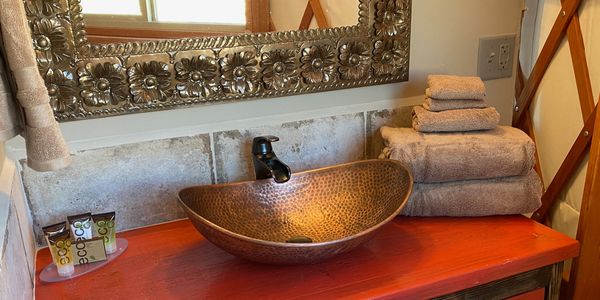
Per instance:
{"type": "Point", "coordinates": [140, 181]}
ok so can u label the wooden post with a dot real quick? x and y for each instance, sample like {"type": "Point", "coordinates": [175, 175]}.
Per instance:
{"type": "Point", "coordinates": [258, 15]}
{"type": "Point", "coordinates": [313, 8]}
{"type": "Point", "coordinates": [580, 67]}
{"type": "Point", "coordinates": [584, 281]}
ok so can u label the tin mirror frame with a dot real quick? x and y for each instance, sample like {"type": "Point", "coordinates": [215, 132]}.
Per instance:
{"type": "Point", "coordinates": [87, 80]}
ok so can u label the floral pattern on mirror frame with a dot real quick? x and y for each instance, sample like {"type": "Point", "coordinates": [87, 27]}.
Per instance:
{"type": "Point", "coordinates": [296, 62]}
{"type": "Point", "coordinates": [390, 17]}
{"type": "Point", "coordinates": [61, 89]}
{"type": "Point", "coordinates": [197, 77]}
{"type": "Point", "coordinates": [50, 41]}
{"type": "Point", "coordinates": [240, 74]}
{"type": "Point", "coordinates": [279, 69]}
{"type": "Point", "coordinates": [45, 8]}
{"type": "Point", "coordinates": [102, 84]}
{"type": "Point", "coordinates": [354, 60]}
{"type": "Point", "coordinates": [149, 82]}
{"type": "Point", "coordinates": [389, 58]}
{"type": "Point", "coordinates": [318, 64]}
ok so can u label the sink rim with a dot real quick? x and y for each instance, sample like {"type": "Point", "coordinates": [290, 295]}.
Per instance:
{"type": "Point", "coordinates": [301, 245]}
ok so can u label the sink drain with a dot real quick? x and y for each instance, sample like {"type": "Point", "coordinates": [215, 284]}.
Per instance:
{"type": "Point", "coordinates": [299, 239]}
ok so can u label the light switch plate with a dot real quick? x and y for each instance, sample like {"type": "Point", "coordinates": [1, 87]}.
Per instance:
{"type": "Point", "coordinates": [496, 55]}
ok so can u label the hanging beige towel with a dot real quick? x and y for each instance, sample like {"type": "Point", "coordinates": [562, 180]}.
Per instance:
{"type": "Point", "coordinates": [442, 105]}
{"type": "Point", "coordinates": [9, 124]}
{"type": "Point", "coordinates": [46, 148]}
{"type": "Point", "coordinates": [455, 120]}
{"type": "Point", "coordinates": [473, 198]}
{"type": "Point", "coordinates": [446, 87]}
{"type": "Point", "coordinates": [441, 157]}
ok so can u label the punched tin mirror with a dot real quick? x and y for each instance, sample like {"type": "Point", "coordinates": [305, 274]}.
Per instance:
{"type": "Point", "coordinates": [86, 80]}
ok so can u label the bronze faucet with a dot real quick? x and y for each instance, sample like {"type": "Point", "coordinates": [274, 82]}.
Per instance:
{"type": "Point", "coordinates": [266, 163]}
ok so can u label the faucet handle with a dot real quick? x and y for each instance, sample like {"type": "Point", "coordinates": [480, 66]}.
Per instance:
{"type": "Point", "coordinates": [262, 144]}
{"type": "Point", "coordinates": [271, 138]}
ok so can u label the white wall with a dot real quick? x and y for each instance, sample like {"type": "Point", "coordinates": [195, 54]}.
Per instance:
{"type": "Point", "coordinates": [444, 40]}
{"type": "Point", "coordinates": [556, 112]}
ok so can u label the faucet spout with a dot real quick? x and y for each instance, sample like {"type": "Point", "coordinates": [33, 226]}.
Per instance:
{"type": "Point", "coordinates": [279, 171]}
{"type": "Point", "coordinates": [266, 163]}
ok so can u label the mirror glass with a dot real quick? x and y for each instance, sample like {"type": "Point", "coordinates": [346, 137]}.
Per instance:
{"type": "Point", "coordinates": [110, 21]}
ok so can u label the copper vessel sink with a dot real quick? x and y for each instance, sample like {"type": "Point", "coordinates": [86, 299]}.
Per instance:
{"type": "Point", "coordinates": [314, 216]}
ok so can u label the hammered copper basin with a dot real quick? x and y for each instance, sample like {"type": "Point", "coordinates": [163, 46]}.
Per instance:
{"type": "Point", "coordinates": [314, 216]}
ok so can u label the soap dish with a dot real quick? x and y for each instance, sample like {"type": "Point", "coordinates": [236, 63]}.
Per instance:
{"type": "Point", "coordinates": [50, 273]}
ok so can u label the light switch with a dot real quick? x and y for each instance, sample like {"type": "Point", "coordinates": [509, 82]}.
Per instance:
{"type": "Point", "coordinates": [496, 55]}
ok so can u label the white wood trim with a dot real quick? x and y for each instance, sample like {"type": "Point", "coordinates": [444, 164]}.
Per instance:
{"type": "Point", "coordinates": [7, 175]}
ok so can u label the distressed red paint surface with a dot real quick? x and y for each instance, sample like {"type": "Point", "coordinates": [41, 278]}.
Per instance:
{"type": "Point", "coordinates": [410, 257]}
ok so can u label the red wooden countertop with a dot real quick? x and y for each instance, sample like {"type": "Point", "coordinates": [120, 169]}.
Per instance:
{"type": "Point", "coordinates": [409, 258]}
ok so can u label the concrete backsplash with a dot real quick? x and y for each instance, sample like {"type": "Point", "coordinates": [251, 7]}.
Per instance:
{"type": "Point", "coordinates": [140, 181]}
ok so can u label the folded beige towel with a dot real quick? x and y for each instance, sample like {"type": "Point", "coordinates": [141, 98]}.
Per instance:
{"type": "Point", "coordinates": [9, 123]}
{"type": "Point", "coordinates": [431, 104]}
{"type": "Point", "coordinates": [455, 120]}
{"type": "Point", "coordinates": [473, 198]}
{"type": "Point", "coordinates": [441, 157]}
{"type": "Point", "coordinates": [455, 87]}
{"type": "Point", "coordinates": [46, 148]}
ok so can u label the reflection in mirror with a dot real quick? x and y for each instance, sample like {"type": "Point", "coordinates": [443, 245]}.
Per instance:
{"type": "Point", "coordinates": [110, 21]}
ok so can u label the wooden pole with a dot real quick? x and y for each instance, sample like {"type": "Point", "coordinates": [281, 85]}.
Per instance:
{"type": "Point", "coordinates": [258, 15]}
{"type": "Point", "coordinates": [306, 17]}
{"type": "Point", "coordinates": [580, 66]}
{"type": "Point", "coordinates": [313, 9]}
{"type": "Point", "coordinates": [584, 281]}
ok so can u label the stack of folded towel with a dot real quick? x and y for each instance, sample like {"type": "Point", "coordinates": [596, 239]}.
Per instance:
{"type": "Point", "coordinates": [454, 104]}
{"type": "Point", "coordinates": [463, 163]}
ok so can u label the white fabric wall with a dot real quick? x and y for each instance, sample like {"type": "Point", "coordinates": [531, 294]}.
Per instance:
{"type": "Point", "coordinates": [556, 112]}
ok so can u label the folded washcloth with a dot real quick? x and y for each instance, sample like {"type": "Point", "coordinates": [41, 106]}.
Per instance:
{"type": "Point", "coordinates": [441, 157]}
{"type": "Point", "coordinates": [441, 105]}
{"type": "Point", "coordinates": [498, 196]}
{"type": "Point", "coordinates": [455, 120]}
{"type": "Point", "coordinates": [455, 87]}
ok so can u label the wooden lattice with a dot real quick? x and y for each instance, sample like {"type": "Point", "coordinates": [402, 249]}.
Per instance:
{"type": "Point", "coordinates": [313, 9]}
{"type": "Point", "coordinates": [584, 282]}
